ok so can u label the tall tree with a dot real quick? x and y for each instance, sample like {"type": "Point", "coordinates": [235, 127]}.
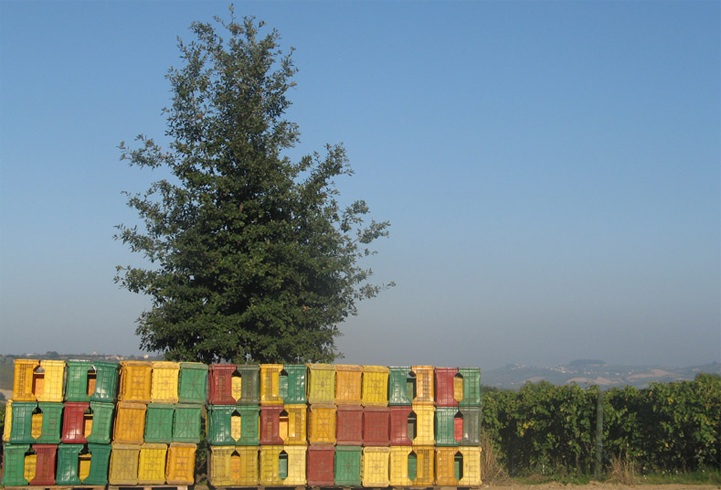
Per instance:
{"type": "Point", "coordinates": [252, 259]}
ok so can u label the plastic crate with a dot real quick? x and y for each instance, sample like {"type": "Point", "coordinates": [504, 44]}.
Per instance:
{"type": "Point", "coordinates": [53, 383]}
{"type": "Point", "coordinates": [52, 418]}
{"type": "Point", "coordinates": [321, 383]}
{"type": "Point", "coordinates": [106, 382]}
{"type": "Point", "coordinates": [471, 387]}
{"type": "Point", "coordinates": [320, 470]}
{"type": "Point", "coordinates": [99, 462]}
{"type": "Point", "coordinates": [293, 424]}
{"type": "Point", "coordinates": [270, 384]}
{"type": "Point", "coordinates": [192, 383]}
{"type": "Point", "coordinates": [349, 425]}
{"type": "Point", "coordinates": [249, 393]}
{"type": "Point", "coordinates": [402, 430]}
{"type": "Point", "coordinates": [91, 381]}
{"type": "Point", "coordinates": [321, 424]}
{"type": "Point", "coordinates": [186, 423]}
{"type": "Point", "coordinates": [159, 423]}
{"type": "Point", "coordinates": [129, 423]}
{"type": "Point", "coordinates": [45, 464]}
{"type": "Point", "coordinates": [348, 384]}
{"type": "Point", "coordinates": [74, 426]}
{"type": "Point", "coordinates": [347, 465]}
{"type": "Point", "coordinates": [231, 425]}
{"type": "Point", "coordinates": [446, 422]}
{"type": "Point", "coordinates": [180, 467]}
{"type": "Point", "coordinates": [124, 460]}
{"type": "Point", "coordinates": [412, 466]}
{"type": "Point", "coordinates": [68, 465]}
{"type": "Point", "coordinates": [151, 464]}
{"type": "Point", "coordinates": [459, 466]}
{"type": "Point", "coordinates": [446, 387]}
{"type": "Point", "coordinates": [7, 428]}
{"type": "Point", "coordinates": [376, 426]}
{"type": "Point", "coordinates": [424, 385]}
{"type": "Point", "coordinates": [424, 425]}
{"type": "Point", "coordinates": [401, 385]}
{"type": "Point", "coordinates": [14, 464]}
{"type": "Point", "coordinates": [375, 386]}
{"type": "Point", "coordinates": [292, 384]}
{"type": "Point", "coordinates": [233, 466]}
{"type": "Point", "coordinates": [375, 470]}
{"type": "Point", "coordinates": [23, 380]}
{"type": "Point", "coordinates": [270, 424]}
{"type": "Point", "coordinates": [220, 380]}
{"type": "Point", "coordinates": [135, 381]}
{"type": "Point", "coordinates": [164, 382]}
{"type": "Point", "coordinates": [102, 423]}
{"type": "Point", "coordinates": [282, 465]}
{"type": "Point", "coordinates": [21, 430]}
{"type": "Point", "coordinates": [471, 435]}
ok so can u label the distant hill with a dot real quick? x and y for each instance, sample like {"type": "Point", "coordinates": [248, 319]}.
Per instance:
{"type": "Point", "coordinates": [592, 372]}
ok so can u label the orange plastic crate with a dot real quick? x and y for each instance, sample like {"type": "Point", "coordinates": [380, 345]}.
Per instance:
{"type": "Point", "coordinates": [458, 466]}
{"type": "Point", "coordinates": [282, 465]}
{"type": "Point", "coordinates": [164, 384]}
{"type": "Point", "coordinates": [151, 465]}
{"type": "Point", "coordinates": [348, 384]}
{"type": "Point", "coordinates": [180, 467]}
{"type": "Point", "coordinates": [375, 467]}
{"type": "Point", "coordinates": [424, 385]}
{"type": "Point", "coordinates": [412, 466]}
{"type": "Point", "coordinates": [129, 423]}
{"type": "Point", "coordinates": [322, 424]}
{"type": "Point", "coordinates": [320, 383]}
{"type": "Point", "coordinates": [375, 386]}
{"type": "Point", "coordinates": [135, 381]}
{"type": "Point", "coordinates": [124, 460]}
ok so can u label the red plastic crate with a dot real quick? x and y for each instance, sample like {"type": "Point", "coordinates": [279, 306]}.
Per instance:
{"type": "Point", "coordinates": [220, 379]}
{"type": "Point", "coordinates": [320, 468]}
{"type": "Point", "coordinates": [399, 426]}
{"type": "Point", "coordinates": [349, 425]}
{"type": "Point", "coordinates": [445, 379]}
{"type": "Point", "coordinates": [270, 424]}
{"type": "Point", "coordinates": [376, 426]}
{"type": "Point", "coordinates": [45, 467]}
{"type": "Point", "coordinates": [74, 423]}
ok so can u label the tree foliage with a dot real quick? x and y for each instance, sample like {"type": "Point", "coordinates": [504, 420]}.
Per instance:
{"type": "Point", "coordinates": [251, 256]}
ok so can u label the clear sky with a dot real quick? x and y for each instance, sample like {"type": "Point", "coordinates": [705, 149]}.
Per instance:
{"type": "Point", "coordinates": [551, 170]}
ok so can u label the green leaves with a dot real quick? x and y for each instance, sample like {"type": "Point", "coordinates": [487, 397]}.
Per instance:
{"type": "Point", "coordinates": [254, 260]}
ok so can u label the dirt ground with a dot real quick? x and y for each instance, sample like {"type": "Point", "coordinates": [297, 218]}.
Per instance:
{"type": "Point", "coordinates": [599, 486]}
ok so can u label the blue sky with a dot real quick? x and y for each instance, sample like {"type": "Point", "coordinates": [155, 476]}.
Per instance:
{"type": "Point", "coordinates": [551, 170]}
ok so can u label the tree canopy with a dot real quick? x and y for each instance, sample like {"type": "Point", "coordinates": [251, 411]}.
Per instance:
{"type": "Point", "coordinates": [250, 256]}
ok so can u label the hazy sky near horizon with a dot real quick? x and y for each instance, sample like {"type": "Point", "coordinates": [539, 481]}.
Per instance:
{"type": "Point", "coordinates": [551, 170]}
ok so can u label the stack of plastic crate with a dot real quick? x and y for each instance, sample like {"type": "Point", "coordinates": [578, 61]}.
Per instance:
{"type": "Point", "coordinates": [157, 423]}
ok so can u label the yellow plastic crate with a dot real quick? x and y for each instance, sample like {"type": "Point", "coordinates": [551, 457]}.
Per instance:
{"type": "Point", "coordinates": [375, 467]}
{"type": "Point", "coordinates": [425, 425]}
{"type": "Point", "coordinates": [129, 423]}
{"type": "Point", "coordinates": [270, 384]}
{"type": "Point", "coordinates": [135, 381]}
{"type": "Point", "coordinates": [348, 384]}
{"type": "Point", "coordinates": [164, 384]}
{"type": "Point", "coordinates": [375, 386]}
{"type": "Point", "coordinates": [151, 466]}
{"type": "Point", "coordinates": [425, 384]}
{"type": "Point", "coordinates": [124, 460]}
{"type": "Point", "coordinates": [180, 467]}
{"type": "Point", "coordinates": [31, 465]}
{"type": "Point", "coordinates": [412, 466]}
{"type": "Point", "coordinates": [454, 462]}
{"type": "Point", "coordinates": [23, 386]}
{"type": "Point", "coordinates": [321, 383]}
{"type": "Point", "coordinates": [8, 420]}
{"type": "Point", "coordinates": [234, 466]}
{"type": "Point", "coordinates": [322, 424]}
{"type": "Point", "coordinates": [282, 465]}
{"type": "Point", "coordinates": [293, 428]}
{"type": "Point", "coordinates": [53, 381]}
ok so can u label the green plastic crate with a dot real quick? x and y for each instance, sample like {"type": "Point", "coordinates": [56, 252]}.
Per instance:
{"type": "Point", "coordinates": [22, 423]}
{"type": "Point", "coordinates": [186, 423]}
{"type": "Point", "coordinates": [99, 464]}
{"type": "Point", "coordinates": [159, 423]}
{"type": "Point", "coordinates": [192, 383]}
{"type": "Point", "coordinates": [106, 381]}
{"type": "Point", "coordinates": [14, 464]}
{"type": "Point", "coordinates": [471, 426]}
{"type": "Point", "coordinates": [76, 381]}
{"type": "Point", "coordinates": [292, 384]}
{"type": "Point", "coordinates": [220, 425]}
{"type": "Point", "coordinates": [445, 426]}
{"type": "Point", "coordinates": [250, 387]}
{"type": "Point", "coordinates": [67, 464]}
{"type": "Point", "coordinates": [52, 422]}
{"type": "Point", "coordinates": [348, 465]}
{"type": "Point", "coordinates": [471, 387]}
{"type": "Point", "coordinates": [102, 422]}
{"type": "Point", "coordinates": [400, 386]}
{"type": "Point", "coordinates": [106, 384]}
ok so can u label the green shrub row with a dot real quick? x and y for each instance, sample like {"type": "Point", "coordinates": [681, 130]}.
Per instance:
{"type": "Point", "coordinates": [551, 429]}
